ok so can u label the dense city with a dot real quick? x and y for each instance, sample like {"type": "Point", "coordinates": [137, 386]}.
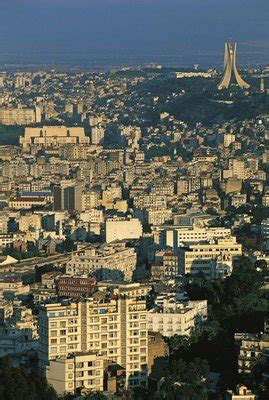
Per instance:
{"type": "Point", "coordinates": [134, 234]}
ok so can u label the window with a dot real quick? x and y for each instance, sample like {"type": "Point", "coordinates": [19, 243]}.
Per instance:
{"type": "Point", "coordinates": [53, 350]}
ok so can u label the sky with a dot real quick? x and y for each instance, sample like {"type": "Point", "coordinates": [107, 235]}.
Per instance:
{"type": "Point", "coordinates": [146, 30]}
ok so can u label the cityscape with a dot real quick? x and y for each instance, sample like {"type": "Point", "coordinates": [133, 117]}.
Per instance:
{"type": "Point", "coordinates": [134, 229]}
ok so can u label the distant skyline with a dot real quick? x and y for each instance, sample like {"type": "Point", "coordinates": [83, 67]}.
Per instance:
{"type": "Point", "coordinates": [114, 32]}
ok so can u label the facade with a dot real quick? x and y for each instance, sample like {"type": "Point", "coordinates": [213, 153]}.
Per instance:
{"type": "Point", "coordinates": [123, 229]}
{"type": "Point", "coordinates": [20, 116]}
{"type": "Point", "coordinates": [175, 318]}
{"type": "Point", "coordinates": [251, 347]}
{"type": "Point", "coordinates": [112, 261]}
{"type": "Point", "coordinates": [116, 328]}
{"type": "Point", "coordinates": [75, 286]}
{"type": "Point", "coordinates": [26, 203]}
{"type": "Point", "coordinates": [173, 236]}
{"type": "Point", "coordinates": [78, 371]}
{"type": "Point", "coordinates": [158, 352]}
{"type": "Point", "coordinates": [204, 256]}
{"type": "Point", "coordinates": [53, 136]}
{"type": "Point", "coordinates": [67, 197]}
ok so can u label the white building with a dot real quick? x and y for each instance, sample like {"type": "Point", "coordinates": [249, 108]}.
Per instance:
{"type": "Point", "coordinates": [176, 318]}
{"type": "Point", "coordinates": [204, 256]}
{"type": "Point", "coordinates": [53, 136]}
{"type": "Point", "coordinates": [109, 261]}
{"type": "Point", "coordinates": [175, 236]}
{"type": "Point", "coordinates": [116, 229]}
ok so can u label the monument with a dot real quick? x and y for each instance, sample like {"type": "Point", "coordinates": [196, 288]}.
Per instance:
{"type": "Point", "coordinates": [230, 68]}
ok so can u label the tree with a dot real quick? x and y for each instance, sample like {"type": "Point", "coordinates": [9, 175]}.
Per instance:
{"type": "Point", "coordinates": [17, 383]}
{"type": "Point", "coordinates": [95, 396]}
{"type": "Point", "coordinates": [187, 381]}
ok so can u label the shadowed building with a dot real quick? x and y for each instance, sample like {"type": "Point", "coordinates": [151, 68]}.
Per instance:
{"type": "Point", "coordinates": [230, 68]}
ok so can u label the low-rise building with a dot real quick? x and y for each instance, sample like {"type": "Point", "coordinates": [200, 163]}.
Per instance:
{"type": "Point", "coordinates": [120, 229]}
{"type": "Point", "coordinates": [71, 373]}
{"type": "Point", "coordinates": [241, 393]}
{"type": "Point", "coordinates": [251, 346]}
{"type": "Point", "coordinates": [109, 261]}
{"type": "Point", "coordinates": [204, 256]}
{"type": "Point", "coordinates": [53, 136]}
{"type": "Point", "coordinates": [176, 318]}
{"type": "Point", "coordinates": [75, 286]}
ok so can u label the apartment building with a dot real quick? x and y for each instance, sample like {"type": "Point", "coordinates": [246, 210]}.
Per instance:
{"type": "Point", "coordinates": [73, 372]}
{"type": "Point", "coordinates": [120, 229]}
{"type": "Point", "coordinates": [174, 235]}
{"type": "Point", "coordinates": [89, 199]}
{"type": "Point", "coordinates": [252, 346]}
{"type": "Point", "coordinates": [109, 261]}
{"type": "Point", "coordinates": [150, 201]}
{"type": "Point", "coordinates": [176, 318]}
{"type": "Point", "coordinates": [114, 327]}
{"type": "Point", "coordinates": [67, 197]}
{"type": "Point", "coordinates": [209, 257]}
{"type": "Point", "coordinates": [74, 286]}
{"type": "Point", "coordinates": [158, 217]}
{"type": "Point", "coordinates": [165, 265]}
{"type": "Point", "coordinates": [20, 116]}
{"type": "Point", "coordinates": [26, 203]}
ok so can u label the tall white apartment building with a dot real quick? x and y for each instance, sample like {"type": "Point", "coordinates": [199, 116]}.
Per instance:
{"type": "Point", "coordinates": [114, 327]}
{"type": "Point", "coordinates": [206, 256]}
{"type": "Point", "coordinates": [112, 261]}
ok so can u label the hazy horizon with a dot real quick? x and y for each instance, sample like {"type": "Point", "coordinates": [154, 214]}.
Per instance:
{"type": "Point", "coordinates": [118, 32]}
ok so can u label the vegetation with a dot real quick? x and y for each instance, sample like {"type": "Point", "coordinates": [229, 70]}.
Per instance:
{"type": "Point", "coordinates": [21, 255]}
{"type": "Point", "coordinates": [236, 304]}
{"type": "Point", "coordinates": [9, 135]}
{"type": "Point", "coordinates": [17, 383]}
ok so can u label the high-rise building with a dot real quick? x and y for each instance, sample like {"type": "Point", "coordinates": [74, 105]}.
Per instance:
{"type": "Point", "coordinates": [97, 134]}
{"type": "Point", "coordinates": [115, 327]}
{"type": "Point", "coordinates": [230, 68]}
{"type": "Point", "coordinates": [67, 197]}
